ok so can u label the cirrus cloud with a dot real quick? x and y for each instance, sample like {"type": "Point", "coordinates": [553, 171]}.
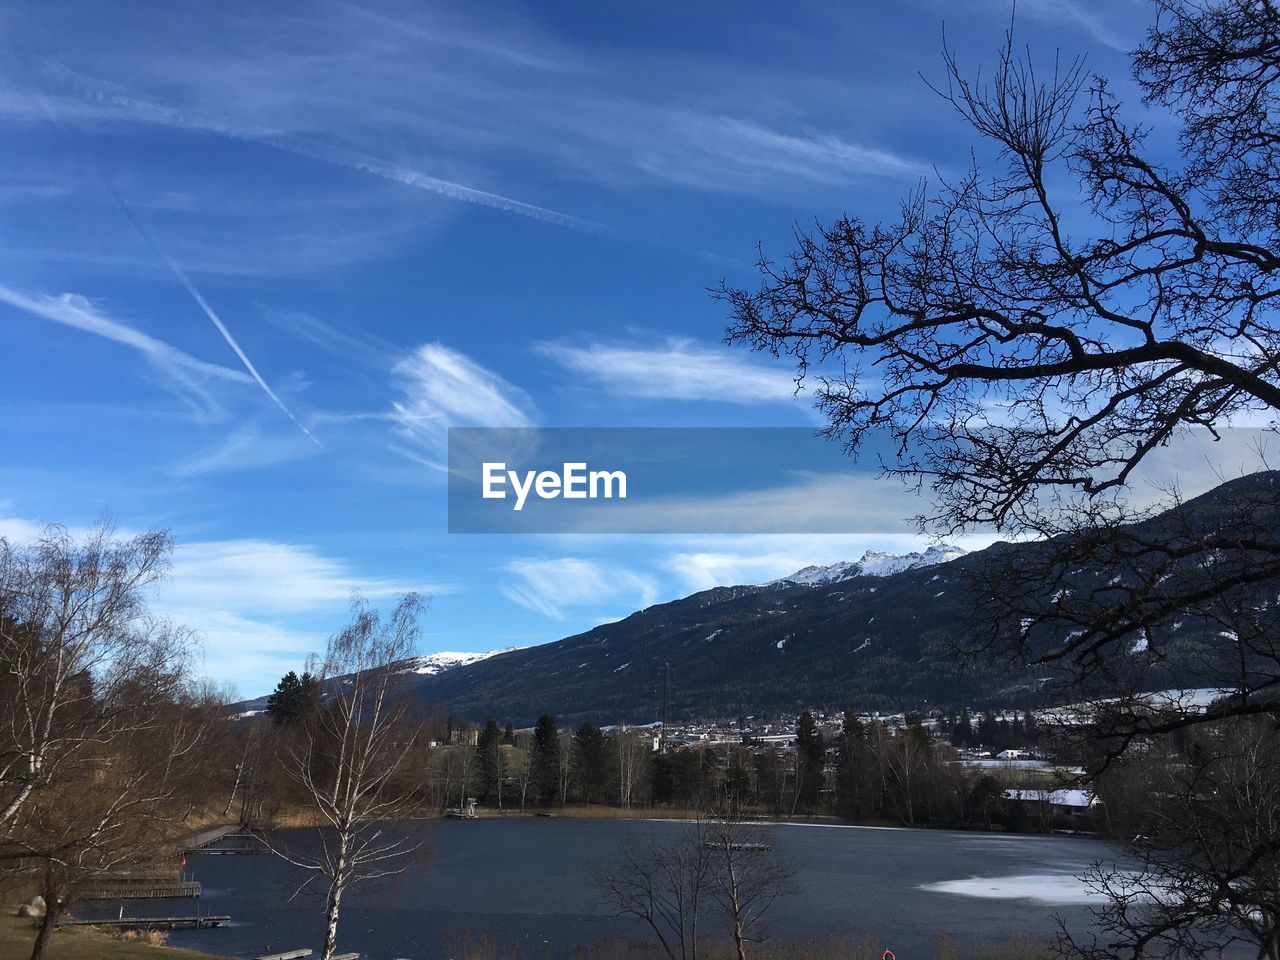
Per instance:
{"type": "Point", "coordinates": [676, 369]}
{"type": "Point", "coordinates": [549, 587]}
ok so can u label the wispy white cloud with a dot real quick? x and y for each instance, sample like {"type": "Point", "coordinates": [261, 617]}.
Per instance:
{"type": "Point", "coordinates": [268, 576]}
{"type": "Point", "coordinates": [369, 348]}
{"type": "Point", "coordinates": [379, 92]}
{"type": "Point", "coordinates": [445, 388]}
{"type": "Point", "coordinates": [552, 587]}
{"type": "Point", "coordinates": [80, 313]}
{"type": "Point", "coordinates": [260, 606]}
{"type": "Point", "coordinates": [1084, 16]}
{"type": "Point", "coordinates": [676, 369]}
{"type": "Point", "coordinates": [735, 153]}
{"type": "Point", "coordinates": [115, 101]}
{"type": "Point", "coordinates": [245, 448]}
{"type": "Point", "coordinates": [74, 310]}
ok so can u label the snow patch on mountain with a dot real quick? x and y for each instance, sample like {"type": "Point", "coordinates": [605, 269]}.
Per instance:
{"type": "Point", "coordinates": [434, 664]}
{"type": "Point", "coordinates": [874, 563]}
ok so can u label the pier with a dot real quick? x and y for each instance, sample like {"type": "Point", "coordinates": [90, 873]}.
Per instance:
{"type": "Point", "coordinates": [140, 888]}
{"type": "Point", "coordinates": [151, 923]}
{"type": "Point", "coordinates": [197, 842]}
{"type": "Point", "coordinates": [240, 841]}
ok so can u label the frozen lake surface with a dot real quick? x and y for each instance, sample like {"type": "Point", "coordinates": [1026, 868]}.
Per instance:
{"type": "Point", "coordinates": [528, 881]}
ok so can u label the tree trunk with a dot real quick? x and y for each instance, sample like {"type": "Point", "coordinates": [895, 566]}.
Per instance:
{"type": "Point", "coordinates": [331, 921]}
{"type": "Point", "coordinates": [235, 787]}
{"type": "Point", "coordinates": [337, 884]}
{"type": "Point", "coordinates": [739, 935]}
{"type": "Point", "coordinates": [48, 923]}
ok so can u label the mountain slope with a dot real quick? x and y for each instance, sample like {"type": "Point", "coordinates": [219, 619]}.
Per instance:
{"type": "Point", "coordinates": [877, 633]}
{"type": "Point", "coordinates": [880, 632]}
{"type": "Point", "coordinates": [736, 650]}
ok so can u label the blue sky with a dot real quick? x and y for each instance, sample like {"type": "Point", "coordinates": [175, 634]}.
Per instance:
{"type": "Point", "coordinates": [257, 259]}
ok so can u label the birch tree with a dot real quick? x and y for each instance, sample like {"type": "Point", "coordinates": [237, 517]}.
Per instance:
{"type": "Point", "coordinates": [353, 762]}
{"type": "Point", "coordinates": [81, 659]}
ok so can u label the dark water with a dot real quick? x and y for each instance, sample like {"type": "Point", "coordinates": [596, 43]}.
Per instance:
{"type": "Point", "coordinates": [528, 881]}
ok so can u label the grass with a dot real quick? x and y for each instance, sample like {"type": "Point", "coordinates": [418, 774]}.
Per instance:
{"type": "Point", "coordinates": [81, 943]}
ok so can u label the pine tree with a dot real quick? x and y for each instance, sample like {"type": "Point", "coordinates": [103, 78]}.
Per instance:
{"type": "Point", "coordinates": [293, 698]}
{"type": "Point", "coordinates": [850, 767]}
{"type": "Point", "coordinates": [812, 751]}
{"type": "Point", "coordinates": [489, 759]}
{"type": "Point", "coordinates": [592, 758]}
{"type": "Point", "coordinates": [546, 758]}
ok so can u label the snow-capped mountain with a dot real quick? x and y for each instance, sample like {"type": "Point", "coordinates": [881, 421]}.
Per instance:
{"type": "Point", "coordinates": [874, 563]}
{"type": "Point", "coordinates": [436, 663]}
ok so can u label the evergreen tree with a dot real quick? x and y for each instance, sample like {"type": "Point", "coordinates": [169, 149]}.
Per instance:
{"type": "Point", "coordinates": [812, 752]}
{"type": "Point", "coordinates": [737, 778]}
{"type": "Point", "coordinates": [488, 758]}
{"type": "Point", "coordinates": [546, 758]}
{"type": "Point", "coordinates": [962, 735]}
{"type": "Point", "coordinates": [509, 734]}
{"type": "Point", "coordinates": [663, 778]}
{"type": "Point", "coordinates": [591, 757]}
{"type": "Point", "coordinates": [988, 731]}
{"type": "Point", "coordinates": [850, 765]}
{"type": "Point", "coordinates": [293, 698]}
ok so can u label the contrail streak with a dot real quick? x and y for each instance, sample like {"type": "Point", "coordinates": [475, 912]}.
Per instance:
{"type": "Point", "coordinates": [191, 289]}
{"type": "Point", "coordinates": [149, 110]}
{"type": "Point", "coordinates": [231, 341]}
{"type": "Point", "coordinates": [209, 312]}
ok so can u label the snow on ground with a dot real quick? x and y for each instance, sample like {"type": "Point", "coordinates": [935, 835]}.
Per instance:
{"type": "Point", "coordinates": [1052, 889]}
{"type": "Point", "coordinates": [1062, 798]}
{"type": "Point", "coordinates": [1189, 701]}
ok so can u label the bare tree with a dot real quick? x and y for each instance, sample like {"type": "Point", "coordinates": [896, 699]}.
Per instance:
{"type": "Point", "coordinates": [460, 766]}
{"type": "Point", "coordinates": [353, 762]}
{"type": "Point", "coordinates": [632, 754]}
{"type": "Point", "coordinates": [523, 766]}
{"type": "Point", "coordinates": [662, 884]}
{"type": "Point", "coordinates": [1028, 337]}
{"type": "Point", "coordinates": [1025, 368]}
{"type": "Point", "coordinates": [97, 722]}
{"type": "Point", "coordinates": [747, 874]}
{"type": "Point", "coordinates": [1204, 816]}
{"type": "Point", "coordinates": [114, 809]}
{"type": "Point", "coordinates": [245, 767]}
{"type": "Point", "coordinates": [81, 660]}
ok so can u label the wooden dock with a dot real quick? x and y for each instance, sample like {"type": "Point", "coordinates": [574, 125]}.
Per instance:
{"type": "Point", "coordinates": [197, 842]}
{"type": "Point", "coordinates": [237, 843]}
{"type": "Point", "coordinates": [151, 923]}
{"type": "Point", "coordinates": [141, 888]}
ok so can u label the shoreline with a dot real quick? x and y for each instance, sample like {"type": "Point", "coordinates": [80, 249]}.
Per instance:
{"type": "Point", "coordinates": [692, 816]}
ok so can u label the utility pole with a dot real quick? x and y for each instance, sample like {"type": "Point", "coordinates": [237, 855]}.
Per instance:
{"type": "Point", "coordinates": [666, 703]}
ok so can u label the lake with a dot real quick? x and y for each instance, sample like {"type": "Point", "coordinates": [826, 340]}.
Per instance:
{"type": "Point", "coordinates": [527, 880]}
